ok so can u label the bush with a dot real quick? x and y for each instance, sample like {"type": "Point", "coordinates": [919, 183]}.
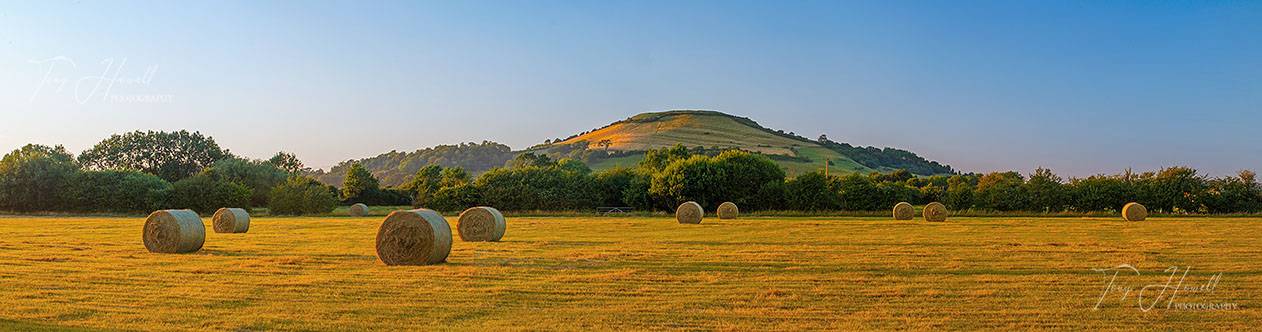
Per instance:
{"type": "Point", "coordinates": [36, 178]}
{"type": "Point", "coordinates": [300, 195]}
{"type": "Point", "coordinates": [259, 176]}
{"type": "Point", "coordinates": [812, 191]}
{"type": "Point", "coordinates": [118, 191]}
{"type": "Point", "coordinates": [208, 191]}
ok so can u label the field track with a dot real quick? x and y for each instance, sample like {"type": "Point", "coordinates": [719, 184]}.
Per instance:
{"type": "Point", "coordinates": [585, 274]}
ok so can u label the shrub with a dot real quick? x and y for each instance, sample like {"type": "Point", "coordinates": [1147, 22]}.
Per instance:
{"type": "Point", "coordinates": [36, 178]}
{"type": "Point", "coordinates": [118, 191]}
{"type": "Point", "coordinates": [208, 191]}
{"type": "Point", "coordinates": [300, 195]}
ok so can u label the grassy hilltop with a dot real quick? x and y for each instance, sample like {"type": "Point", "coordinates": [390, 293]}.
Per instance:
{"type": "Point", "coordinates": [629, 138]}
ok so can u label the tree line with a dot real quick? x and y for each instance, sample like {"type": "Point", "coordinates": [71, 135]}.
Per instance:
{"type": "Point", "coordinates": [146, 171]}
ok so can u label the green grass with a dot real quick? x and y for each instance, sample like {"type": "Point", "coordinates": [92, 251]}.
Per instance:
{"type": "Point", "coordinates": [637, 273]}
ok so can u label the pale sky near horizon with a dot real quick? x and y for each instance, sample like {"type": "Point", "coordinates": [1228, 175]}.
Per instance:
{"type": "Point", "coordinates": [1078, 87]}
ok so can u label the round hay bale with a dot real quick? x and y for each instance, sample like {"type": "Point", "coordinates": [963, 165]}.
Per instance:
{"type": "Point", "coordinates": [1134, 212]}
{"type": "Point", "coordinates": [358, 210]}
{"type": "Point", "coordinates": [478, 224]}
{"type": "Point", "coordinates": [417, 237]}
{"type": "Point", "coordinates": [904, 211]}
{"type": "Point", "coordinates": [936, 212]}
{"type": "Point", "coordinates": [174, 231]}
{"type": "Point", "coordinates": [689, 213]}
{"type": "Point", "coordinates": [728, 210]}
{"type": "Point", "coordinates": [231, 220]}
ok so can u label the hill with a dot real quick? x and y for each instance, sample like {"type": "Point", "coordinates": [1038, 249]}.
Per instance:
{"type": "Point", "coordinates": [624, 142]}
{"type": "Point", "coordinates": [616, 144]}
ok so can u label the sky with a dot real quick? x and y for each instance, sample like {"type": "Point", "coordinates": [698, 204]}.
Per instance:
{"type": "Point", "coordinates": [1081, 88]}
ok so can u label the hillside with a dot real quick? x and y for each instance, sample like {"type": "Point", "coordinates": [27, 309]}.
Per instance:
{"type": "Point", "coordinates": [623, 143]}
{"type": "Point", "coordinates": [711, 129]}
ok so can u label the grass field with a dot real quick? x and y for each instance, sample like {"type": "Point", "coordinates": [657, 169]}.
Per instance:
{"type": "Point", "coordinates": [583, 274]}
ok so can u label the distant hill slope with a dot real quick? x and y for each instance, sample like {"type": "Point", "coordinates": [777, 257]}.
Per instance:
{"type": "Point", "coordinates": [712, 129]}
{"type": "Point", "coordinates": [628, 139]}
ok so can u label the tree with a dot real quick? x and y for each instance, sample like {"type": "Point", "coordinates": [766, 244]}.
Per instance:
{"type": "Point", "coordinates": [118, 191]}
{"type": "Point", "coordinates": [359, 184]}
{"type": "Point", "coordinates": [1000, 191]}
{"type": "Point", "coordinates": [36, 178]}
{"type": "Point", "coordinates": [208, 191]}
{"type": "Point", "coordinates": [858, 193]}
{"type": "Point", "coordinates": [812, 191]}
{"type": "Point", "coordinates": [170, 156]}
{"type": "Point", "coordinates": [656, 160]}
{"type": "Point", "coordinates": [288, 162]}
{"type": "Point", "coordinates": [300, 195]}
{"type": "Point", "coordinates": [822, 138]}
{"type": "Point", "coordinates": [1046, 191]}
{"type": "Point", "coordinates": [605, 143]}
{"type": "Point", "coordinates": [259, 176]}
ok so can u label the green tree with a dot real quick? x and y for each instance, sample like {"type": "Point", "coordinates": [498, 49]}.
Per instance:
{"type": "Point", "coordinates": [288, 162]}
{"type": "Point", "coordinates": [1001, 192]}
{"type": "Point", "coordinates": [36, 178]}
{"type": "Point", "coordinates": [171, 156]}
{"type": "Point", "coordinates": [118, 191]}
{"type": "Point", "coordinates": [259, 176]}
{"type": "Point", "coordinates": [300, 195]}
{"type": "Point", "coordinates": [812, 191]}
{"type": "Point", "coordinates": [208, 191]}
{"type": "Point", "coordinates": [858, 193]}
{"type": "Point", "coordinates": [1046, 191]}
{"type": "Point", "coordinates": [656, 160]}
{"type": "Point", "coordinates": [960, 192]}
{"type": "Point", "coordinates": [359, 184]}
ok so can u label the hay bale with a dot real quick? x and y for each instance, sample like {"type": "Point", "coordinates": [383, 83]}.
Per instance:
{"type": "Point", "coordinates": [231, 220]}
{"type": "Point", "coordinates": [689, 213]}
{"type": "Point", "coordinates": [728, 210]}
{"type": "Point", "coordinates": [1134, 212]}
{"type": "Point", "coordinates": [417, 237]}
{"type": "Point", "coordinates": [904, 211]}
{"type": "Point", "coordinates": [174, 231]}
{"type": "Point", "coordinates": [481, 224]}
{"type": "Point", "coordinates": [358, 210]}
{"type": "Point", "coordinates": [936, 212]}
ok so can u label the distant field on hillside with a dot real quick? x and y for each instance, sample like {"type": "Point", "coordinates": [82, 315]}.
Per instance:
{"type": "Point", "coordinates": [633, 273]}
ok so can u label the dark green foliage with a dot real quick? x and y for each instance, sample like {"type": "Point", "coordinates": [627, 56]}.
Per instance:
{"type": "Point", "coordinates": [36, 178]}
{"type": "Point", "coordinates": [259, 176]}
{"type": "Point", "coordinates": [209, 191]}
{"type": "Point", "coordinates": [1046, 192]}
{"type": "Point", "coordinates": [1099, 193]}
{"type": "Point", "coordinates": [698, 179]}
{"type": "Point", "coordinates": [300, 195]}
{"type": "Point", "coordinates": [396, 168]}
{"type": "Point", "coordinates": [359, 184]}
{"type": "Point", "coordinates": [812, 191]}
{"type": "Point", "coordinates": [171, 156]}
{"type": "Point", "coordinates": [1001, 192]}
{"type": "Point", "coordinates": [858, 193]}
{"type": "Point", "coordinates": [1233, 194]}
{"type": "Point", "coordinates": [288, 162]}
{"type": "Point", "coordinates": [118, 191]}
{"type": "Point", "coordinates": [873, 157]}
{"type": "Point", "coordinates": [959, 193]}
{"type": "Point", "coordinates": [455, 198]}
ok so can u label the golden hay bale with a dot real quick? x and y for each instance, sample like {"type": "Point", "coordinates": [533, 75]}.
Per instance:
{"type": "Point", "coordinates": [174, 231]}
{"type": "Point", "coordinates": [1134, 212]}
{"type": "Point", "coordinates": [728, 210]}
{"type": "Point", "coordinates": [936, 212]}
{"type": "Point", "coordinates": [904, 211]}
{"type": "Point", "coordinates": [358, 210]}
{"type": "Point", "coordinates": [417, 237]}
{"type": "Point", "coordinates": [231, 220]}
{"type": "Point", "coordinates": [689, 213]}
{"type": "Point", "coordinates": [481, 224]}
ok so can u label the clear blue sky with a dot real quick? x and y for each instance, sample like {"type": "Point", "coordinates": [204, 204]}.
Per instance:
{"type": "Point", "coordinates": [1079, 87]}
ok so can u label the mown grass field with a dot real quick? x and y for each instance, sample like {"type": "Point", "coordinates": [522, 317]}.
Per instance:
{"type": "Point", "coordinates": [614, 273]}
